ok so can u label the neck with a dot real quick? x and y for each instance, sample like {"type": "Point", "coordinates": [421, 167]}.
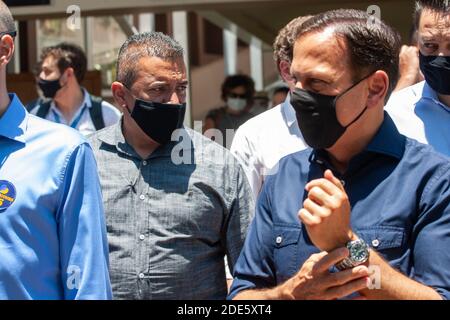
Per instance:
{"type": "Point", "coordinates": [136, 138]}
{"type": "Point", "coordinates": [444, 99]}
{"type": "Point", "coordinates": [354, 141]}
{"type": "Point", "coordinates": [4, 97]}
{"type": "Point", "coordinates": [69, 102]}
{"type": "Point", "coordinates": [234, 112]}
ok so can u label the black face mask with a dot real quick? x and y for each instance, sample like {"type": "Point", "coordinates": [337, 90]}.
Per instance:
{"type": "Point", "coordinates": [49, 87]}
{"type": "Point", "coordinates": [158, 120]}
{"type": "Point", "coordinates": [436, 70]}
{"type": "Point", "coordinates": [317, 119]}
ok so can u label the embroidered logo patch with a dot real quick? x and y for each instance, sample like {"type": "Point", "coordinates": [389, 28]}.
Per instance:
{"type": "Point", "coordinates": [7, 194]}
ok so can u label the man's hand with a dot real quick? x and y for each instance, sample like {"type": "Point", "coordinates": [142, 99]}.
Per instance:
{"type": "Point", "coordinates": [326, 213]}
{"type": "Point", "coordinates": [315, 282]}
{"type": "Point", "coordinates": [409, 67]}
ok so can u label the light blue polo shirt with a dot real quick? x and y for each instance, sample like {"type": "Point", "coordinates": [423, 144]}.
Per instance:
{"type": "Point", "coordinates": [418, 114]}
{"type": "Point", "coordinates": [53, 241]}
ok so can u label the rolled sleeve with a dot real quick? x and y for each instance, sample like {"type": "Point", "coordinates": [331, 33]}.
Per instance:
{"type": "Point", "coordinates": [82, 230]}
{"type": "Point", "coordinates": [254, 268]}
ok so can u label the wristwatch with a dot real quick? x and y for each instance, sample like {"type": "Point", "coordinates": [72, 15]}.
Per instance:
{"type": "Point", "coordinates": [359, 253]}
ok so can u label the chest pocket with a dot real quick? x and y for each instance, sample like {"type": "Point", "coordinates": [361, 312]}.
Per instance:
{"type": "Point", "coordinates": [285, 243]}
{"type": "Point", "coordinates": [389, 241]}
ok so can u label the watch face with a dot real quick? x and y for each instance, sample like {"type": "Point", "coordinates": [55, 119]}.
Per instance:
{"type": "Point", "coordinates": [358, 251]}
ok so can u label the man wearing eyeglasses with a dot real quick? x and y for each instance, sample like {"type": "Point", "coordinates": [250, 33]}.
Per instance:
{"type": "Point", "coordinates": [52, 231]}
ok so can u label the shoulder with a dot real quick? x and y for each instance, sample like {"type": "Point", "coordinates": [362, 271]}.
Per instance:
{"type": "Point", "coordinates": [262, 124]}
{"type": "Point", "coordinates": [214, 113]}
{"type": "Point", "coordinates": [54, 136]}
{"type": "Point", "coordinates": [211, 153]}
{"type": "Point", "coordinates": [294, 164]}
{"type": "Point", "coordinates": [406, 97]}
{"type": "Point", "coordinates": [110, 113]}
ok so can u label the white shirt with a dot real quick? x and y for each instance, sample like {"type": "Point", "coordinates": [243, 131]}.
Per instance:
{"type": "Point", "coordinates": [82, 119]}
{"type": "Point", "coordinates": [261, 142]}
{"type": "Point", "coordinates": [418, 114]}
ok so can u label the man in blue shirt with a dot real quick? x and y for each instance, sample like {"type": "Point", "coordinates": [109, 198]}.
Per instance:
{"type": "Point", "coordinates": [52, 231]}
{"type": "Point", "coordinates": [422, 111]}
{"type": "Point", "coordinates": [365, 198]}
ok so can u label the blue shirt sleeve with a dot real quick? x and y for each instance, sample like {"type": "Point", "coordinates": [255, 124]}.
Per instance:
{"type": "Point", "coordinates": [431, 253]}
{"type": "Point", "coordinates": [82, 230]}
{"type": "Point", "coordinates": [254, 268]}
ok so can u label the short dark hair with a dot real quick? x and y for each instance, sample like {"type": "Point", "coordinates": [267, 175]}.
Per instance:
{"type": "Point", "coordinates": [283, 45]}
{"type": "Point", "coordinates": [238, 80]}
{"type": "Point", "coordinates": [147, 44]}
{"type": "Point", "coordinates": [438, 6]}
{"type": "Point", "coordinates": [280, 90]}
{"type": "Point", "coordinates": [372, 44]}
{"type": "Point", "coordinates": [6, 19]}
{"type": "Point", "coordinates": [67, 55]}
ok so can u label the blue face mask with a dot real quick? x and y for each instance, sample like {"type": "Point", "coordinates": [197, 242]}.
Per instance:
{"type": "Point", "coordinates": [436, 70]}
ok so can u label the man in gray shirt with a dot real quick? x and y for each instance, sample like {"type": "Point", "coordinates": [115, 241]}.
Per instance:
{"type": "Point", "coordinates": [176, 203]}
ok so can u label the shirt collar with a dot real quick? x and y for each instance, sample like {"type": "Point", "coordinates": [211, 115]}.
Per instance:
{"type": "Point", "coordinates": [387, 141]}
{"type": "Point", "coordinates": [86, 102]}
{"type": "Point", "coordinates": [429, 94]}
{"type": "Point", "coordinates": [288, 111]}
{"type": "Point", "coordinates": [113, 136]}
{"type": "Point", "coordinates": [13, 123]}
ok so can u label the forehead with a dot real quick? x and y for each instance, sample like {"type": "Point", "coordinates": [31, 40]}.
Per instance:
{"type": "Point", "coordinates": [434, 23]}
{"type": "Point", "coordinates": [156, 69]}
{"type": "Point", "coordinates": [321, 51]}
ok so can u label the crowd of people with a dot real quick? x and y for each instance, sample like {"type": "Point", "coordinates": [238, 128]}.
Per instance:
{"type": "Point", "coordinates": [341, 190]}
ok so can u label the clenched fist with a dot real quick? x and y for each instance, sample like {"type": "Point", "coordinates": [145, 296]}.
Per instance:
{"type": "Point", "coordinates": [326, 213]}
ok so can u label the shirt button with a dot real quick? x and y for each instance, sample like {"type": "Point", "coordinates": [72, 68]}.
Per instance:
{"type": "Point", "coordinates": [141, 276]}
{"type": "Point", "coordinates": [144, 163]}
{"type": "Point", "coordinates": [279, 240]}
{"type": "Point", "coordinates": [375, 243]}
{"type": "Point", "coordinates": [142, 237]}
{"type": "Point", "coordinates": [142, 197]}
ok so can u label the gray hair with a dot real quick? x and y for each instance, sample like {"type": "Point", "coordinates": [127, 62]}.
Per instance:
{"type": "Point", "coordinates": [147, 44]}
{"type": "Point", "coordinates": [6, 19]}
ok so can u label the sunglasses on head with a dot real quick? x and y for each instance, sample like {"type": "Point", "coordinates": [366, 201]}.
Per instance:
{"type": "Point", "coordinates": [235, 95]}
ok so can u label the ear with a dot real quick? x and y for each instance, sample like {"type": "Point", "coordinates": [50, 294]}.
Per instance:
{"type": "Point", "coordinates": [285, 72]}
{"type": "Point", "coordinates": [6, 49]}
{"type": "Point", "coordinates": [378, 88]}
{"type": "Point", "coordinates": [68, 74]}
{"type": "Point", "coordinates": [120, 96]}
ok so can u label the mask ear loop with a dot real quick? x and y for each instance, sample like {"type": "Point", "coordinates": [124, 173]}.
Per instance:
{"type": "Point", "coordinates": [346, 91]}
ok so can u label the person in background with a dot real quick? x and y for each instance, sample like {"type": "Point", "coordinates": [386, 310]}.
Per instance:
{"type": "Point", "coordinates": [279, 95]}
{"type": "Point", "coordinates": [260, 103]}
{"type": "Point", "coordinates": [262, 141]}
{"type": "Point", "coordinates": [238, 93]}
{"type": "Point", "coordinates": [175, 209]}
{"type": "Point", "coordinates": [422, 110]}
{"type": "Point", "coordinates": [53, 241]}
{"type": "Point", "coordinates": [63, 68]}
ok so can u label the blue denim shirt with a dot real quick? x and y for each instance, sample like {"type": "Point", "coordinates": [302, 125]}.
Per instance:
{"type": "Point", "coordinates": [399, 191]}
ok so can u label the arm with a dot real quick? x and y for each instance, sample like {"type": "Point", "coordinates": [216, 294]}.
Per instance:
{"type": "Point", "coordinates": [396, 286]}
{"type": "Point", "coordinates": [409, 67]}
{"type": "Point", "coordinates": [326, 215]}
{"type": "Point", "coordinates": [243, 150]}
{"type": "Point", "coordinates": [315, 282]}
{"type": "Point", "coordinates": [255, 273]}
{"type": "Point", "coordinates": [82, 232]}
